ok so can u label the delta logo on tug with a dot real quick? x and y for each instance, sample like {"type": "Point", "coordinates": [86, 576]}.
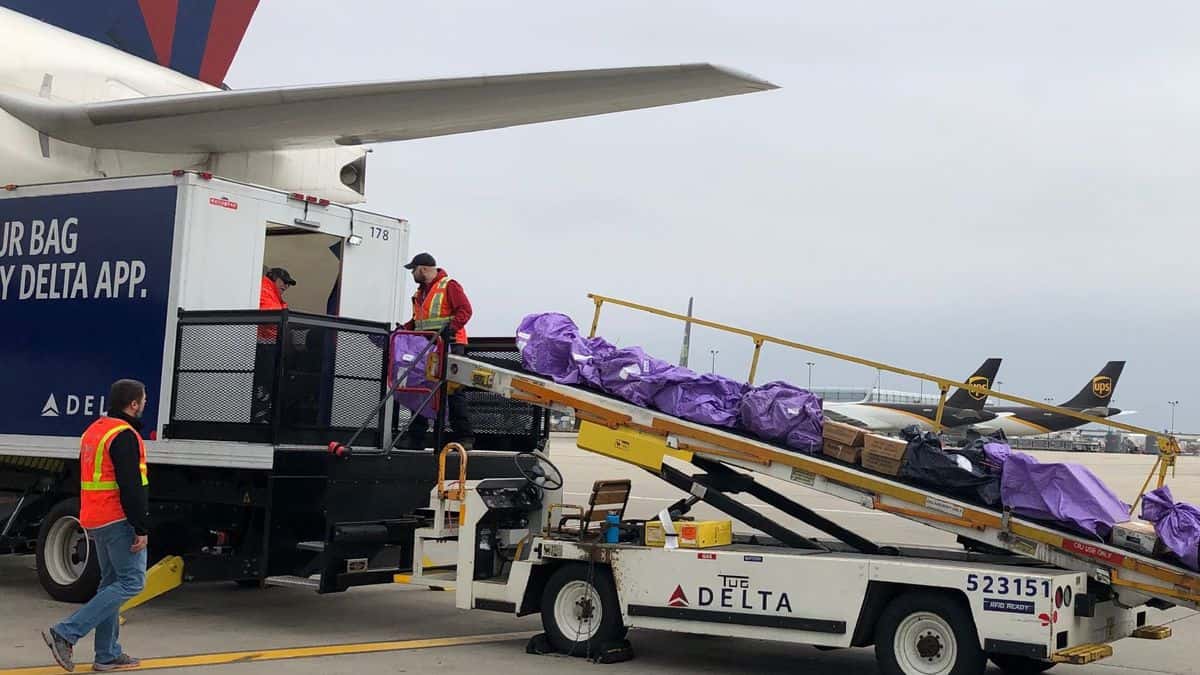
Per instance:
{"type": "Point", "coordinates": [734, 591]}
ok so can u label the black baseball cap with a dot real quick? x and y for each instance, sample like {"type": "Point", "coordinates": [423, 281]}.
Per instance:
{"type": "Point", "coordinates": [282, 275]}
{"type": "Point", "coordinates": [421, 260]}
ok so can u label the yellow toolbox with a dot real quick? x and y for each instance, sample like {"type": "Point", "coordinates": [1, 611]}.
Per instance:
{"type": "Point", "coordinates": [693, 533]}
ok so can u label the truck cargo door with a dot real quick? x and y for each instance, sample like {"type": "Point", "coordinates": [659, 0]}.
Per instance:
{"type": "Point", "coordinates": [314, 260]}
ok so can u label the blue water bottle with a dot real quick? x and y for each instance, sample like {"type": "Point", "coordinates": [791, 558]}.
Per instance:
{"type": "Point", "coordinates": [612, 532]}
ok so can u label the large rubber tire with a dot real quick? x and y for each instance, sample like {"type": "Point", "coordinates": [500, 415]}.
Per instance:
{"type": "Point", "coordinates": [66, 559]}
{"type": "Point", "coordinates": [1020, 665]}
{"type": "Point", "coordinates": [580, 609]}
{"type": "Point", "coordinates": [928, 633]}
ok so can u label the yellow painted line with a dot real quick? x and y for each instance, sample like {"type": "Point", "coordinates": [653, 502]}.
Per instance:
{"type": "Point", "coordinates": [225, 658]}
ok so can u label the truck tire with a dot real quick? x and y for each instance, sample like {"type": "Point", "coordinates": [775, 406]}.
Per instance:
{"type": "Point", "coordinates": [580, 609]}
{"type": "Point", "coordinates": [928, 633]}
{"type": "Point", "coordinates": [66, 562]}
{"type": "Point", "coordinates": [1020, 665]}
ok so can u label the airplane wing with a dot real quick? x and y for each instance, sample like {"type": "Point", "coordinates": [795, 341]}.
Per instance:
{"type": "Point", "coordinates": [353, 114]}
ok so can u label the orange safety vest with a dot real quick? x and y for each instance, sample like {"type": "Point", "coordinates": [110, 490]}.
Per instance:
{"type": "Point", "coordinates": [269, 299]}
{"type": "Point", "coordinates": [435, 313]}
{"type": "Point", "coordinates": [99, 496]}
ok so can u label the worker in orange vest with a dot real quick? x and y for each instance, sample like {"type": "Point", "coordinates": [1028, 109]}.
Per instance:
{"type": "Point", "coordinates": [113, 509]}
{"type": "Point", "coordinates": [275, 283]}
{"type": "Point", "coordinates": [441, 306]}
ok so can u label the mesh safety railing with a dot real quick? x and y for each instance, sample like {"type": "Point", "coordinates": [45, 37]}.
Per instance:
{"type": "Point", "coordinates": [275, 377]}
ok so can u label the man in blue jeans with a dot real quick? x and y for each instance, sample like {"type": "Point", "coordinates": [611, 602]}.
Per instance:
{"type": "Point", "coordinates": [113, 508]}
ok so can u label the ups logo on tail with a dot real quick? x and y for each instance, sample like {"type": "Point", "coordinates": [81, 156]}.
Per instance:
{"type": "Point", "coordinates": [1102, 386]}
{"type": "Point", "coordinates": [980, 381]}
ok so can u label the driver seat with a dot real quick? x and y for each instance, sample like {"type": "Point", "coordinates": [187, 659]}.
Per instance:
{"type": "Point", "coordinates": [608, 497]}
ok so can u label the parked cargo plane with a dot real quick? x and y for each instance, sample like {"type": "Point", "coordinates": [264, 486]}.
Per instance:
{"type": "Point", "coordinates": [962, 407]}
{"type": "Point", "coordinates": [1093, 399]}
{"type": "Point", "coordinates": [126, 87]}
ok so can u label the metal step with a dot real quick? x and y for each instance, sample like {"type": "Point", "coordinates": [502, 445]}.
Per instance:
{"type": "Point", "coordinates": [434, 534]}
{"type": "Point", "coordinates": [292, 581]}
{"type": "Point", "coordinates": [315, 546]}
{"type": "Point", "coordinates": [438, 581]}
{"type": "Point", "coordinates": [431, 513]}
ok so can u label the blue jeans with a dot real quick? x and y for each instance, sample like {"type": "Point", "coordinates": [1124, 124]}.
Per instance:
{"type": "Point", "coordinates": [122, 575]}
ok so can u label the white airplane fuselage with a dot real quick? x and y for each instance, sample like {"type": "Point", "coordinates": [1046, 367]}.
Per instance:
{"type": "Point", "coordinates": [1013, 427]}
{"type": "Point", "coordinates": [878, 418]}
{"type": "Point", "coordinates": [37, 59]}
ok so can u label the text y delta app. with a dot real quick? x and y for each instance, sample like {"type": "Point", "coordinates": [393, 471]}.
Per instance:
{"type": "Point", "coordinates": [84, 280]}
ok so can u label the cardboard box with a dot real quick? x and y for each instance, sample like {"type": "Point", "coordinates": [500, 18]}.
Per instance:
{"type": "Point", "coordinates": [886, 446]}
{"type": "Point", "coordinates": [883, 454]}
{"type": "Point", "coordinates": [841, 451]}
{"type": "Point", "coordinates": [845, 434]}
{"type": "Point", "coordinates": [885, 465]}
{"type": "Point", "coordinates": [1135, 535]}
{"type": "Point", "coordinates": [693, 533]}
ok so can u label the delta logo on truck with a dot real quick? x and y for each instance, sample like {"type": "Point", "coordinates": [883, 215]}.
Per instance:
{"type": "Point", "coordinates": [734, 591]}
{"type": "Point", "coordinates": [74, 404]}
{"type": "Point", "coordinates": [84, 284]}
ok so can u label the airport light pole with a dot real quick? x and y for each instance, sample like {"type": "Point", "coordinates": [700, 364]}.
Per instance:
{"type": "Point", "coordinates": [714, 353]}
{"type": "Point", "coordinates": [1172, 404]}
{"type": "Point", "coordinates": [810, 364]}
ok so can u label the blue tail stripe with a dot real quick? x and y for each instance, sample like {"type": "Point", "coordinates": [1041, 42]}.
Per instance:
{"type": "Point", "coordinates": [192, 26]}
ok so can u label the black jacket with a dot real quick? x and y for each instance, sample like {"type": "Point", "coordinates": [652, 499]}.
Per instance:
{"type": "Point", "coordinates": [126, 460]}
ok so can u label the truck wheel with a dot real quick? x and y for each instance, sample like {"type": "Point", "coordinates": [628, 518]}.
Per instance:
{"type": "Point", "coordinates": [580, 610]}
{"type": "Point", "coordinates": [1020, 665]}
{"type": "Point", "coordinates": [66, 561]}
{"type": "Point", "coordinates": [928, 633]}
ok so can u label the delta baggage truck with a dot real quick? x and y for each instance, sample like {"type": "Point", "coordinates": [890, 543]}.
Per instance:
{"type": "Point", "coordinates": [157, 278]}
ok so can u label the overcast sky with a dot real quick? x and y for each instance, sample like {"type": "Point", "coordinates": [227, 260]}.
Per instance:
{"type": "Point", "coordinates": [935, 183]}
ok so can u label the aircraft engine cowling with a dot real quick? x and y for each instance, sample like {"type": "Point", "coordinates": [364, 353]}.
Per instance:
{"type": "Point", "coordinates": [338, 174]}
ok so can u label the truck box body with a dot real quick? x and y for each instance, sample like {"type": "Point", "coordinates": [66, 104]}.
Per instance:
{"type": "Point", "coordinates": [93, 275]}
{"type": "Point", "coordinates": [158, 278]}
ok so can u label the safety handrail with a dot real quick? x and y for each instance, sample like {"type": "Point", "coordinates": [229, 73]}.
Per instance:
{"type": "Point", "coordinates": [459, 491]}
{"type": "Point", "coordinates": [1168, 445]}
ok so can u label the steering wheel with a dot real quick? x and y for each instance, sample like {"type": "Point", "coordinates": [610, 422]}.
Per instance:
{"type": "Point", "coordinates": [532, 467]}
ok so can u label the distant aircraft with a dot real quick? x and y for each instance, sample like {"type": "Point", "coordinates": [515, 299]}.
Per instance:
{"type": "Point", "coordinates": [962, 408]}
{"type": "Point", "coordinates": [1093, 399]}
{"type": "Point", "coordinates": [125, 87]}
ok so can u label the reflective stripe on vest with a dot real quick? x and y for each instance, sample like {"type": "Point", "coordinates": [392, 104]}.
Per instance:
{"type": "Point", "coordinates": [97, 483]}
{"type": "Point", "coordinates": [434, 313]}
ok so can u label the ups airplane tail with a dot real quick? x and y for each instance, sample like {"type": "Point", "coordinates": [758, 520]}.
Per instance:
{"type": "Point", "coordinates": [984, 377]}
{"type": "Point", "coordinates": [1097, 393]}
